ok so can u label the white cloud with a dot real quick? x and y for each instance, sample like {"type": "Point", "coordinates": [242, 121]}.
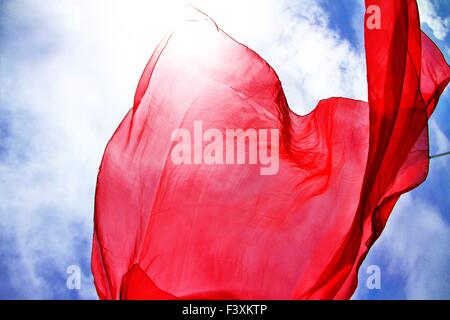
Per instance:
{"type": "Point", "coordinates": [430, 17]}
{"type": "Point", "coordinates": [415, 244]}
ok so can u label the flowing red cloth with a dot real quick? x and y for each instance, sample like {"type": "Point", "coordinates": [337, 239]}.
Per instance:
{"type": "Point", "coordinates": [225, 231]}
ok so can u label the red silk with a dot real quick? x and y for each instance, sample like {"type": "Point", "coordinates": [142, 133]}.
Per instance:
{"type": "Point", "coordinates": [224, 231]}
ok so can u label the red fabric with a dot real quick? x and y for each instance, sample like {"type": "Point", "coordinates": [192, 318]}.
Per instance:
{"type": "Point", "coordinates": [225, 231]}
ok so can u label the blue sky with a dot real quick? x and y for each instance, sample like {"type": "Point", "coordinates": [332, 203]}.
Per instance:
{"type": "Point", "coordinates": [68, 71]}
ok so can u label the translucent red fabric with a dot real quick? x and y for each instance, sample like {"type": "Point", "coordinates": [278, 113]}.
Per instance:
{"type": "Point", "coordinates": [225, 231]}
